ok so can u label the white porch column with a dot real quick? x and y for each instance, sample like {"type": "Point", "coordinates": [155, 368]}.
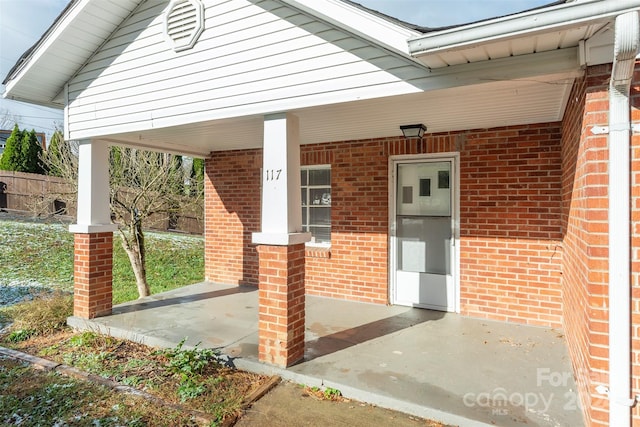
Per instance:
{"type": "Point", "coordinates": [93, 213]}
{"type": "Point", "coordinates": [281, 249]}
{"type": "Point", "coordinates": [281, 203]}
{"type": "Point", "coordinates": [93, 240]}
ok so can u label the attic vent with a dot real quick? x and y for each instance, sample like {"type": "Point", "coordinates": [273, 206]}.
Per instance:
{"type": "Point", "coordinates": [184, 23]}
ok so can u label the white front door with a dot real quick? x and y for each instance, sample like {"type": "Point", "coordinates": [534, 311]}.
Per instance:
{"type": "Point", "coordinates": [423, 233]}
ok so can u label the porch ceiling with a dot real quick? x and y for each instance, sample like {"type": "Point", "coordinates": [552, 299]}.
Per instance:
{"type": "Point", "coordinates": [485, 105]}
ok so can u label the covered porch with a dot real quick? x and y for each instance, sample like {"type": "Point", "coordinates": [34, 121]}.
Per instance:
{"type": "Point", "coordinates": [395, 357]}
{"type": "Point", "coordinates": [537, 106]}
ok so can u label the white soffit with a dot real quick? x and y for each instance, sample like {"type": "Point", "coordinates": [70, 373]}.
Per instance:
{"type": "Point", "coordinates": [544, 42]}
{"type": "Point", "coordinates": [64, 48]}
{"type": "Point", "coordinates": [545, 29]}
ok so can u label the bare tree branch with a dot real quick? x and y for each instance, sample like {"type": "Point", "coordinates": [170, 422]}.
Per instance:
{"type": "Point", "coordinates": [145, 186]}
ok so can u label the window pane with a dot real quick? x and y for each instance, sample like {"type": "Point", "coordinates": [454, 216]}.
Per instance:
{"type": "Point", "coordinates": [320, 177]}
{"type": "Point", "coordinates": [321, 234]}
{"type": "Point", "coordinates": [320, 196]}
{"type": "Point", "coordinates": [319, 216]}
{"type": "Point", "coordinates": [316, 203]}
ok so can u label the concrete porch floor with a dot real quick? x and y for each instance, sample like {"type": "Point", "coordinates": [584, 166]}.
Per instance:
{"type": "Point", "coordinates": [457, 370]}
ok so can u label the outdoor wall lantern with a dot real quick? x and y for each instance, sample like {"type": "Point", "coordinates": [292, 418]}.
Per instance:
{"type": "Point", "coordinates": [413, 131]}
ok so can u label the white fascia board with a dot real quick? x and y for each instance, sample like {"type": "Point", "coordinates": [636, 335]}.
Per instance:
{"type": "Point", "coordinates": [530, 23]}
{"type": "Point", "coordinates": [359, 22]}
{"type": "Point", "coordinates": [61, 25]}
{"type": "Point", "coordinates": [42, 103]}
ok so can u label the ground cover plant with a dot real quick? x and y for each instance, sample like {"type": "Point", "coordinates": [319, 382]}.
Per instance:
{"type": "Point", "coordinates": [30, 397]}
{"type": "Point", "coordinates": [37, 256]}
{"type": "Point", "coordinates": [191, 377]}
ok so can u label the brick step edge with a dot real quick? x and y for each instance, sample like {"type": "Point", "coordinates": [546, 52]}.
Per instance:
{"type": "Point", "coordinates": [70, 371]}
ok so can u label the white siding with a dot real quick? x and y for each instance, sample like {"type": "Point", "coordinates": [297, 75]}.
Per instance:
{"type": "Point", "coordinates": [254, 57]}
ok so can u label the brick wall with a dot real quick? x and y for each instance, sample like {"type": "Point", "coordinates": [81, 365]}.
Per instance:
{"type": "Point", "coordinates": [510, 225]}
{"type": "Point", "coordinates": [232, 213]}
{"type": "Point", "coordinates": [357, 266]}
{"type": "Point", "coordinates": [510, 233]}
{"type": "Point", "coordinates": [575, 270]}
{"type": "Point", "coordinates": [585, 229]}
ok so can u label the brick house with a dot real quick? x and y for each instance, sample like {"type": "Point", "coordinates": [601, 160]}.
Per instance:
{"type": "Point", "coordinates": [518, 204]}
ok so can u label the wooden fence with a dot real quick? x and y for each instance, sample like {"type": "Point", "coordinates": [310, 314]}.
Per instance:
{"type": "Point", "coordinates": [24, 193]}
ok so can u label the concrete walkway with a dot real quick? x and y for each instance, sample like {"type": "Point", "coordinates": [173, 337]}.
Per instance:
{"type": "Point", "coordinates": [446, 367]}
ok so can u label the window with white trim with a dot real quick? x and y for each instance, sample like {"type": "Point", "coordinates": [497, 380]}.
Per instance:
{"type": "Point", "coordinates": [316, 202]}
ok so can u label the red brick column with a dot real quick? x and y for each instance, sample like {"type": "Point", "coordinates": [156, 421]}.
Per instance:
{"type": "Point", "coordinates": [92, 274]}
{"type": "Point", "coordinates": [281, 301]}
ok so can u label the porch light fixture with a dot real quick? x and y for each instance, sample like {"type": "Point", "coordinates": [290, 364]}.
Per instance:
{"type": "Point", "coordinates": [413, 131]}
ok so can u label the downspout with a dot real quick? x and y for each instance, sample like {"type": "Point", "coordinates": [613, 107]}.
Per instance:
{"type": "Point", "coordinates": [627, 35]}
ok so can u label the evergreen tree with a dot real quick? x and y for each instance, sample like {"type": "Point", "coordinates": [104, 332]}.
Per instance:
{"type": "Point", "coordinates": [31, 153]}
{"type": "Point", "coordinates": [10, 160]}
{"type": "Point", "coordinates": [196, 178]}
{"type": "Point", "coordinates": [55, 150]}
{"type": "Point", "coordinates": [60, 158]}
{"type": "Point", "coordinates": [22, 152]}
{"type": "Point", "coordinates": [197, 169]}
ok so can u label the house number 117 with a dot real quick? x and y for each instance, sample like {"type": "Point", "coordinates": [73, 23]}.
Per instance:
{"type": "Point", "coordinates": [273, 175]}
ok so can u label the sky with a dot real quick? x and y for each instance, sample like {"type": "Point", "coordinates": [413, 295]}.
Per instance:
{"type": "Point", "coordinates": [22, 22]}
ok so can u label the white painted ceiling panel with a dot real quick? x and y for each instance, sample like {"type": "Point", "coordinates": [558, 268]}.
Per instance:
{"type": "Point", "coordinates": [488, 105]}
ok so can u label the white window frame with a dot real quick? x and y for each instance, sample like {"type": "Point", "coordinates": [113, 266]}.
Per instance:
{"type": "Point", "coordinates": [309, 206]}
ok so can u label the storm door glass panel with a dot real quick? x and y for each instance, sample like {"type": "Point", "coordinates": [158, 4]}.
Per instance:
{"type": "Point", "coordinates": [423, 217]}
{"type": "Point", "coordinates": [423, 244]}
{"type": "Point", "coordinates": [424, 189]}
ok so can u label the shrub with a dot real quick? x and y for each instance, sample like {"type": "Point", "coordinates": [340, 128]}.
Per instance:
{"type": "Point", "coordinates": [22, 152]}
{"type": "Point", "coordinates": [45, 314]}
{"type": "Point", "coordinates": [10, 159]}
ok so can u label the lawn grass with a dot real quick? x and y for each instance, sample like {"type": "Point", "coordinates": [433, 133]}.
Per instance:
{"type": "Point", "coordinates": [31, 397]}
{"type": "Point", "coordinates": [38, 255]}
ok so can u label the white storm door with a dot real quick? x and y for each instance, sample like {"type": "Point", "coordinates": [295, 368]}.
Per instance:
{"type": "Point", "coordinates": [423, 235]}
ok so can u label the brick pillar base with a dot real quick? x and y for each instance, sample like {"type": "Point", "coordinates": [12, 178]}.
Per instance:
{"type": "Point", "coordinates": [281, 301]}
{"type": "Point", "coordinates": [92, 274]}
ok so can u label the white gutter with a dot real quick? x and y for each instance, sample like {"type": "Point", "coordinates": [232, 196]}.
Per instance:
{"type": "Point", "coordinates": [530, 23]}
{"type": "Point", "coordinates": [627, 40]}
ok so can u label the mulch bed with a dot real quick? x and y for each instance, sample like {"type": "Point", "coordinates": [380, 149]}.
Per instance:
{"type": "Point", "coordinates": [227, 392]}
